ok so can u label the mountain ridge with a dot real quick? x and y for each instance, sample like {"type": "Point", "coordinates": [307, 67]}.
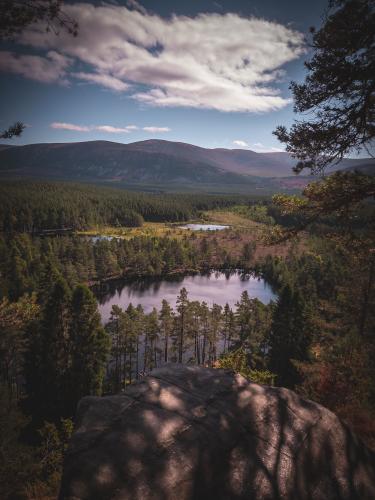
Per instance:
{"type": "Point", "coordinates": [153, 161]}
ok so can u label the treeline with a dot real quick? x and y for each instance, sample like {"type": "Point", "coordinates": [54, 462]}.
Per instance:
{"type": "Point", "coordinates": [26, 261]}
{"type": "Point", "coordinates": [192, 333]}
{"type": "Point", "coordinates": [36, 206]}
{"type": "Point", "coordinates": [317, 339]}
{"type": "Point", "coordinates": [53, 351]}
{"type": "Point", "coordinates": [265, 211]}
{"type": "Point", "coordinates": [268, 340]}
{"type": "Point", "coordinates": [323, 332]}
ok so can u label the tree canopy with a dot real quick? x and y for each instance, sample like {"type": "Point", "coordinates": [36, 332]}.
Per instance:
{"type": "Point", "coordinates": [16, 15]}
{"type": "Point", "coordinates": [338, 94]}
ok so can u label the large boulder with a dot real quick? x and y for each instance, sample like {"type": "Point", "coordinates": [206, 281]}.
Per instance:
{"type": "Point", "coordinates": [188, 432]}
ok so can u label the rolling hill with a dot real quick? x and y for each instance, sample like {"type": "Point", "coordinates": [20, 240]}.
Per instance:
{"type": "Point", "coordinates": [155, 162]}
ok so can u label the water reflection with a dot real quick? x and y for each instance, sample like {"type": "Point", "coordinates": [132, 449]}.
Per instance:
{"type": "Point", "coordinates": [102, 237]}
{"type": "Point", "coordinates": [211, 287]}
{"type": "Point", "coordinates": [204, 227]}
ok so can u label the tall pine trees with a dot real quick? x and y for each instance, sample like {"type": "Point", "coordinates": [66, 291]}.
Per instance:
{"type": "Point", "coordinates": [67, 353]}
{"type": "Point", "coordinates": [89, 347]}
{"type": "Point", "coordinates": [289, 336]}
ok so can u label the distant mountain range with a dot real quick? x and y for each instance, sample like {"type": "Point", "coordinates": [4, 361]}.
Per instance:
{"type": "Point", "coordinates": [157, 162]}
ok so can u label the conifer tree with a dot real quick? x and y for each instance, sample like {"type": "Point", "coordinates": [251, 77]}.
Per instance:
{"type": "Point", "coordinates": [182, 308]}
{"type": "Point", "coordinates": [166, 325]}
{"type": "Point", "coordinates": [214, 331]}
{"type": "Point", "coordinates": [243, 315]}
{"type": "Point", "coordinates": [204, 316]}
{"type": "Point", "coordinates": [152, 335]}
{"type": "Point", "coordinates": [289, 336]}
{"type": "Point", "coordinates": [113, 328]}
{"type": "Point", "coordinates": [89, 347]}
{"type": "Point", "coordinates": [47, 360]}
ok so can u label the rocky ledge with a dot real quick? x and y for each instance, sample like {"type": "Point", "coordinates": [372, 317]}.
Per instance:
{"type": "Point", "coordinates": [188, 432]}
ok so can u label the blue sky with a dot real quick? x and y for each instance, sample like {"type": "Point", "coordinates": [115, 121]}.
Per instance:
{"type": "Point", "coordinates": [214, 74]}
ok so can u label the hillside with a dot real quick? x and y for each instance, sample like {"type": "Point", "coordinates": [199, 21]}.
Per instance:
{"type": "Point", "coordinates": [155, 162]}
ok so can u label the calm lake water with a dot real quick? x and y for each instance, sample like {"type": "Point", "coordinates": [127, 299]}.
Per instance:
{"type": "Point", "coordinates": [102, 237]}
{"type": "Point", "coordinates": [204, 227]}
{"type": "Point", "coordinates": [215, 287]}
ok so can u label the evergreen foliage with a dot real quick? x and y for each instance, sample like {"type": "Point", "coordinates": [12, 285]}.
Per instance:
{"type": "Point", "coordinates": [34, 207]}
{"type": "Point", "coordinates": [338, 92]}
{"type": "Point", "coordinates": [289, 336]}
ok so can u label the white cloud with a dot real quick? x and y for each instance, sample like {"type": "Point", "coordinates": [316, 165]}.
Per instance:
{"type": "Point", "coordinates": [241, 144]}
{"type": "Point", "coordinates": [258, 147]}
{"type": "Point", "coordinates": [70, 126]}
{"type": "Point", "coordinates": [49, 69]}
{"type": "Point", "coordinates": [156, 130]}
{"type": "Point", "coordinates": [109, 129]}
{"type": "Point", "coordinates": [215, 61]}
{"type": "Point", "coordinates": [107, 81]}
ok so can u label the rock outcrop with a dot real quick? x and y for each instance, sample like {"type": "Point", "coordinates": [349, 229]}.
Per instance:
{"type": "Point", "coordinates": [188, 432]}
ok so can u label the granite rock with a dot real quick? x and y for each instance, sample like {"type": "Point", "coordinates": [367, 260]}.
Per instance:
{"type": "Point", "coordinates": [187, 432]}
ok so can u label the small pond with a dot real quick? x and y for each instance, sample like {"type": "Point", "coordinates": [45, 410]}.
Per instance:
{"type": "Point", "coordinates": [204, 227]}
{"type": "Point", "coordinates": [102, 237]}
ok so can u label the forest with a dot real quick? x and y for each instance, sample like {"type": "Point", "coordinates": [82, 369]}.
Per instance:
{"type": "Point", "coordinates": [33, 207]}
{"type": "Point", "coordinates": [61, 242]}
{"type": "Point", "coordinates": [55, 349]}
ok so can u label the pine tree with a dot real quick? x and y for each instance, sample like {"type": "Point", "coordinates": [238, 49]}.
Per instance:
{"type": "Point", "coordinates": [166, 325]}
{"type": "Point", "coordinates": [47, 360]}
{"type": "Point", "coordinates": [152, 338]}
{"type": "Point", "coordinates": [182, 307]}
{"type": "Point", "coordinates": [204, 318]}
{"type": "Point", "coordinates": [289, 337]}
{"type": "Point", "coordinates": [243, 316]}
{"type": "Point", "coordinates": [89, 347]}
{"type": "Point", "coordinates": [215, 320]}
{"type": "Point", "coordinates": [113, 327]}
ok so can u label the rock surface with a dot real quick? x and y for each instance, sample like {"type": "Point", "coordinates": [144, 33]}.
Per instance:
{"type": "Point", "coordinates": [197, 433]}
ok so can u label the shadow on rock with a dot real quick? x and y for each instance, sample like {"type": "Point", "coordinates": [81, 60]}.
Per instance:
{"type": "Point", "coordinates": [189, 432]}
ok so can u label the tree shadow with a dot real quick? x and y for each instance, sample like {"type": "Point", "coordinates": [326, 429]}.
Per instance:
{"type": "Point", "coordinates": [187, 432]}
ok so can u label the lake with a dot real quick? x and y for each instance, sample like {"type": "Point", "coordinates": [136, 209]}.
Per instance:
{"type": "Point", "coordinates": [102, 237]}
{"type": "Point", "coordinates": [204, 227]}
{"type": "Point", "coordinates": [215, 287]}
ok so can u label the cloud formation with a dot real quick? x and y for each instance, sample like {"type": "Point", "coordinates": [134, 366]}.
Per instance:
{"type": "Point", "coordinates": [70, 126]}
{"type": "Point", "coordinates": [241, 144]}
{"type": "Point", "coordinates": [108, 129]}
{"type": "Point", "coordinates": [258, 147]}
{"type": "Point", "coordinates": [49, 69]}
{"type": "Point", "coordinates": [112, 130]}
{"type": "Point", "coordinates": [107, 81]}
{"type": "Point", "coordinates": [214, 61]}
{"type": "Point", "coordinates": [156, 130]}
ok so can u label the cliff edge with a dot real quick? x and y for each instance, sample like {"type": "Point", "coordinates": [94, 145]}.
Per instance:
{"type": "Point", "coordinates": [187, 432]}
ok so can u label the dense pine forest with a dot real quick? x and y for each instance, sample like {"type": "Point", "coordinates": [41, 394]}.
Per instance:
{"type": "Point", "coordinates": [64, 244]}
{"type": "Point", "coordinates": [55, 349]}
{"type": "Point", "coordinates": [36, 206]}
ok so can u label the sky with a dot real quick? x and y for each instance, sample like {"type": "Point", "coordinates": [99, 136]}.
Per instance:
{"type": "Point", "coordinates": [211, 73]}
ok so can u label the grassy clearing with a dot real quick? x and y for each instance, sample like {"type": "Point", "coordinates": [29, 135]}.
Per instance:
{"type": "Point", "coordinates": [155, 229]}
{"type": "Point", "coordinates": [241, 230]}
{"type": "Point", "coordinates": [244, 230]}
{"type": "Point", "coordinates": [228, 218]}
{"type": "Point", "coordinates": [149, 229]}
